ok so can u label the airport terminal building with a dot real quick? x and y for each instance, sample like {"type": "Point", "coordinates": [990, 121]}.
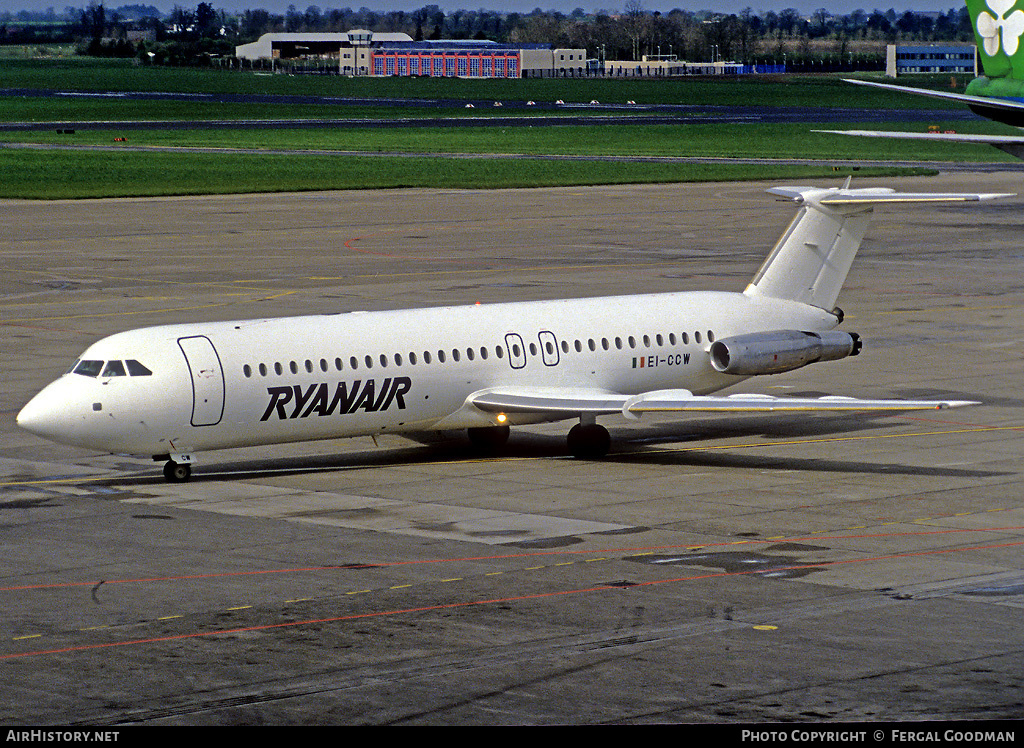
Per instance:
{"type": "Point", "coordinates": [371, 53]}
{"type": "Point", "coordinates": [931, 58]}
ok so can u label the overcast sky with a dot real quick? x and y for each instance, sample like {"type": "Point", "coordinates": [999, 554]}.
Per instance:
{"type": "Point", "coordinates": [565, 6]}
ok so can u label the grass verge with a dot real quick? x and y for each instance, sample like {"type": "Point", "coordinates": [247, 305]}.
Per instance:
{"type": "Point", "coordinates": [795, 140]}
{"type": "Point", "coordinates": [55, 175]}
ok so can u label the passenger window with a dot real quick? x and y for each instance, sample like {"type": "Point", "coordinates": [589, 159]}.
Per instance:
{"type": "Point", "coordinates": [89, 368]}
{"type": "Point", "coordinates": [247, 371]}
{"type": "Point", "coordinates": [369, 362]}
{"type": "Point", "coordinates": [114, 369]}
{"type": "Point", "coordinates": [696, 337]}
{"type": "Point", "coordinates": [136, 369]}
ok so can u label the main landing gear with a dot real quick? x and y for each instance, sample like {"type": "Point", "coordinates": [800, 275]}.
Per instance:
{"type": "Point", "coordinates": [176, 472]}
{"type": "Point", "coordinates": [177, 469]}
{"type": "Point", "coordinates": [588, 440]}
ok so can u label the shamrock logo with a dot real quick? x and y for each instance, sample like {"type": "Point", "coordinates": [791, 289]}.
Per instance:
{"type": "Point", "coordinates": [1001, 27]}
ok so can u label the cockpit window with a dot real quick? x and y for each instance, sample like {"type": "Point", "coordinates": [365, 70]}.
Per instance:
{"type": "Point", "coordinates": [137, 370]}
{"type": "Point", "coordinates": [89, 368]}
{"type": "Point", "coordinates": [114, 369]}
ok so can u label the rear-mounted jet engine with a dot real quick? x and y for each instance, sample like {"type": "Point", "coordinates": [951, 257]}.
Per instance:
{"type": "Point", "coordinates": [780, 350]}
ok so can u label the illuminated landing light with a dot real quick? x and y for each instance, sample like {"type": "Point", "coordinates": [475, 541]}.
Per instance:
{"type": "Point", "coordinates": [502, 418]}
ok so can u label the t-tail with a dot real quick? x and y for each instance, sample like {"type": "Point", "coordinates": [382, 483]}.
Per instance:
{"type": "Point", "coordinates": [811, 260]}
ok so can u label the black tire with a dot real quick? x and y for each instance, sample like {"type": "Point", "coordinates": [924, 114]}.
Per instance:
{"type": "Point", "coordinates": [589, 441]}
{"type": "Point", "coordinates": [177, 472]}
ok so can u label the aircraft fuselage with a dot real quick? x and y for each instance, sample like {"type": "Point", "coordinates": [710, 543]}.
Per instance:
{"type": "Point", "coordinates": [264, 381]}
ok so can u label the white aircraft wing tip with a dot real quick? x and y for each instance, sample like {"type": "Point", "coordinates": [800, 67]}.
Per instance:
{"type": "Point", "coordinates": [957, 404]}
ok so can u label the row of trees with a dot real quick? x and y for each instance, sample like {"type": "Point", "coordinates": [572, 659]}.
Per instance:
{"type": "Point", "coordinates": [197, 33]}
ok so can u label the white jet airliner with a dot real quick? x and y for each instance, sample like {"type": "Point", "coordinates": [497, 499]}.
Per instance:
{"type": "Point", "coordinates": [174, 390]}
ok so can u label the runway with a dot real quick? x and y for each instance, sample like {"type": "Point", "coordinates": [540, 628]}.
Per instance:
{"type": "Point", "coordinates": [726, 569]}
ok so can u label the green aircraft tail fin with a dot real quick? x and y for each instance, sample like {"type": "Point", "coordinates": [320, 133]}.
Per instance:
{"type": "Point", "coordinates": [999, 33]}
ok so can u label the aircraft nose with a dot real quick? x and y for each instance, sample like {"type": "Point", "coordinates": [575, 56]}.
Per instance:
{"type": "Point", "coordinates": [44, 416]}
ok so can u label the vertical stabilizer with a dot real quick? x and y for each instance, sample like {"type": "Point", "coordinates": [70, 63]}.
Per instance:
{"type": "Point", "coordinates": [811, 260]}
{"type": "Point", "coordinates": [998, 30]}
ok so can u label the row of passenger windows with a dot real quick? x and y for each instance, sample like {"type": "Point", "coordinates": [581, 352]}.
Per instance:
{"type": "Point", "coordinates": [354, 363]}
{"type": "Point", "coordinates": [92, 368]}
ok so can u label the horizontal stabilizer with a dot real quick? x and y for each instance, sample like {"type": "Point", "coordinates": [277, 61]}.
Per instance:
{"type": "Point", "coordinates": [572, 402]}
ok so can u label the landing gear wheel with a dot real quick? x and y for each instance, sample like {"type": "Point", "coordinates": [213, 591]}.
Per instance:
{"type": "Point", "coordinates": [488, 438]}
{"type": "Point", "coordinates": [589, 441]}
{"type": "Point", "coordinates": [177, 472]}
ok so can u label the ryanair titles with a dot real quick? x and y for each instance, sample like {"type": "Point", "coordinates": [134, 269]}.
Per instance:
{"type": "Point", "coordinates": [346, 397]}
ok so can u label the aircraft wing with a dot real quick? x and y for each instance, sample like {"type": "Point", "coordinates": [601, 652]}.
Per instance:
{"type": "Point", "coordinates": [570, 402]}
{"type": "Point", "coordinates": [1012, 144]}
{"type": "Point", "coordinates": [988, 102]}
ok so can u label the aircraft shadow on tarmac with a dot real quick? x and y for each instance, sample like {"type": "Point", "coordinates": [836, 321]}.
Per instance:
{"type": "Point", "coordinates": [655, 444]}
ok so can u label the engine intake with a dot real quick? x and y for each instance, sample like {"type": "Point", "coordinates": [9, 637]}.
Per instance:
{"type": "Point", "coordinates": [780, 350]}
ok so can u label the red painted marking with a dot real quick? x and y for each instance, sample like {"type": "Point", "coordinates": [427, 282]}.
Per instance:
{"type": "Point", "coordinates": [421, 562]}
{"type": "Point", "coordinates": [469, 603]}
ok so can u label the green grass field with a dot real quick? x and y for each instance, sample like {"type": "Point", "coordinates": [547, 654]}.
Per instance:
{"type": "Point", "coordinates": [796, 140]}
{"type": "Point", "coordinates": [82, 173]}
{"type": "Point", "coordinates": [90, 174]}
